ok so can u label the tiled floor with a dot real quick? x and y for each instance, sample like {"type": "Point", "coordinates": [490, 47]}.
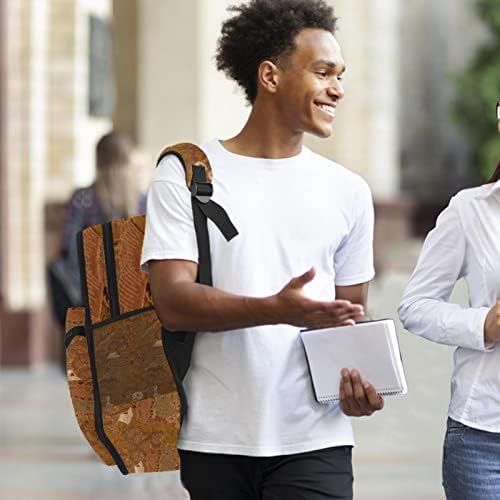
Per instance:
{"type": "Point", "coordinates": [44, 456]}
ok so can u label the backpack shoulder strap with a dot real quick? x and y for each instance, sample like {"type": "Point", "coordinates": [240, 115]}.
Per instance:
{"type": "Point", "coordinates": [199, 177]}
{"type": "Point", "coordinates": [190, 156]}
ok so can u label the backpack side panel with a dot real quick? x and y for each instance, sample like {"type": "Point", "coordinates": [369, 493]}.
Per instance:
{"type": "Point", "coordinates": [140, 405]}
{"type": "Point", "coordinates": [96, 295]}
{"type": "Point", "coordinates": [132, 282]}
{"type": "Point", "coordinates": [91, 243]}
{"type": "Point", "coordinates": [80, 381]}
{"type": "Point", "coordinates": [75, 316]}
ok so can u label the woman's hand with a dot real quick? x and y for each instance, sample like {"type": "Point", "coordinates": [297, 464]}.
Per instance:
{"type": "Point", "coordinates": [492, 324]}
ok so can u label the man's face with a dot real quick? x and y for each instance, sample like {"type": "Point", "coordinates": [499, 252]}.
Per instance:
{"type": "Point", "coordinates": [309, 87]}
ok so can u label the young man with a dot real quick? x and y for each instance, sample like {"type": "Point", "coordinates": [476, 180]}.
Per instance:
{"type": "Point", "coordinates": [303, 258]}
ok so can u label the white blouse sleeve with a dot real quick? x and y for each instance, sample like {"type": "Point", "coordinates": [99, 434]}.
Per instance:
{"type": "Point", "coordinates": [424, 309]}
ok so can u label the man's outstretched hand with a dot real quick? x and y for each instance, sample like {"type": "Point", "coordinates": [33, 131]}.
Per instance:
{"type": "Point", "coordinates": [358, 398]}
{"type": "Point", "coordinates": [293, 307]}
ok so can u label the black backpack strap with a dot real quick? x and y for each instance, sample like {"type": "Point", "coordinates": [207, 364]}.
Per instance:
{"type": "Point", "coordinates": [204, 208]}
{"type": "Point", "coordinates": [201, 193]}
{"type": "Point", "coordinates": [199, 178]}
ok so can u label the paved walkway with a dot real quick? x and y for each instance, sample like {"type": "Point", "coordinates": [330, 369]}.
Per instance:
{"type": "Point", "coordinates": [44, 456]}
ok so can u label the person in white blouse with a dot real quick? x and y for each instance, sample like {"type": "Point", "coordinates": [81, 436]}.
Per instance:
{"type": "Point", "coordinates": [465, 244]}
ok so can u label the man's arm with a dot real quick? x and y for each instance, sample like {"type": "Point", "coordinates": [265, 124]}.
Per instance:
{"type": "Point", "coordinates": [357, 294]}
{"type": "Point", "coordinates": [357, 397]}
{"type": "Point", "coordinates": [183, 304]}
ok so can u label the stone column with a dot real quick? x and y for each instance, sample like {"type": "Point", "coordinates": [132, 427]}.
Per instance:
{"type": "Point", "coordinates": [3, 161]}
{"type": "Point", "coordinates": [23, 288]}
{"type": "Point", "coordinates": [383, 99]}
{"type": "Point", "coordinates": [126, 65]}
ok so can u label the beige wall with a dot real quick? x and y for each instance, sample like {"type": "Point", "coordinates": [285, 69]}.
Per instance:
{"type": "Point", "coordinates": [181, 97]}
{"type": "Point", "coordinates": [366, 138]}
{"type": "Point", "coordinates": [61, 77]}
{"type": "Point", "coordinates": [26, 153]}
{"type": "Point", "coordinates": [168, 74]}
{"type": "Point", "coordinates": [223, 109]}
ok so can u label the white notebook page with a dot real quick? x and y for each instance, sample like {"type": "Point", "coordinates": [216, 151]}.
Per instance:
{"type": "Point", "coordinates": [370, 347]}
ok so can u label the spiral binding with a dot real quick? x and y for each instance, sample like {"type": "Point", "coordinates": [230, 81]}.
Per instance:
{"type": "Point", "coordinates": [383, 392]}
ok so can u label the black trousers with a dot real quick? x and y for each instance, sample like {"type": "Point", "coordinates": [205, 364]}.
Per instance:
{"type": "Point", "coordinates": [318, 475]}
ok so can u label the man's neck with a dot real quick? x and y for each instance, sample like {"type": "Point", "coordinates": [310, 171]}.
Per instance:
{"type": "Point", "coordinates": [265, 136]}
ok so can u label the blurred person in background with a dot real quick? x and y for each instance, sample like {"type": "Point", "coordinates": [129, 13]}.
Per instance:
{"type": "Point", "coordinates": [465, 244]}
{"type": "Point", "coordinates": [116, 193]}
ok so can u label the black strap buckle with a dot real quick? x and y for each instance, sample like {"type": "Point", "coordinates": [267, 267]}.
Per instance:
{"type": "Point", "coordinates": [200, 188]}
{"type": "Point", "coordinates": [202, 191]}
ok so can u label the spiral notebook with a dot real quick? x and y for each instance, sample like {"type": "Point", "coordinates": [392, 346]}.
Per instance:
{"type": "Point", "coordinates": [370, 347]}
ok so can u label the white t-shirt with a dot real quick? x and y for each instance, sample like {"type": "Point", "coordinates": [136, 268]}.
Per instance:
{"type": "Point", "coordinates": [249, 390]}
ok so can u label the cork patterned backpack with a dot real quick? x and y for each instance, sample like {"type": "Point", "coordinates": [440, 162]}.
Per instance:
{"type": "Point", "coordinates": [124, 369]}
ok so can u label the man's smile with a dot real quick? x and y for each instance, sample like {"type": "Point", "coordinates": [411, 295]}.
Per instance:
{"type": "Point", "coordinates": [327, 108]}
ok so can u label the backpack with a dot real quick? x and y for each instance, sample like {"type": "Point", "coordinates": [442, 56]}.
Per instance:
{"type": "Point", "coordinates": [124, 369]}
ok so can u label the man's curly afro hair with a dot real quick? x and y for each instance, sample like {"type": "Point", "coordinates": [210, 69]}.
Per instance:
{"type": "Point", "coordinates": [265, 30]}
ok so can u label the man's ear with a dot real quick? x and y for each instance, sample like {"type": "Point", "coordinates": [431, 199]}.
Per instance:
{"type": "Point", "coordinates": [268, 76]}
